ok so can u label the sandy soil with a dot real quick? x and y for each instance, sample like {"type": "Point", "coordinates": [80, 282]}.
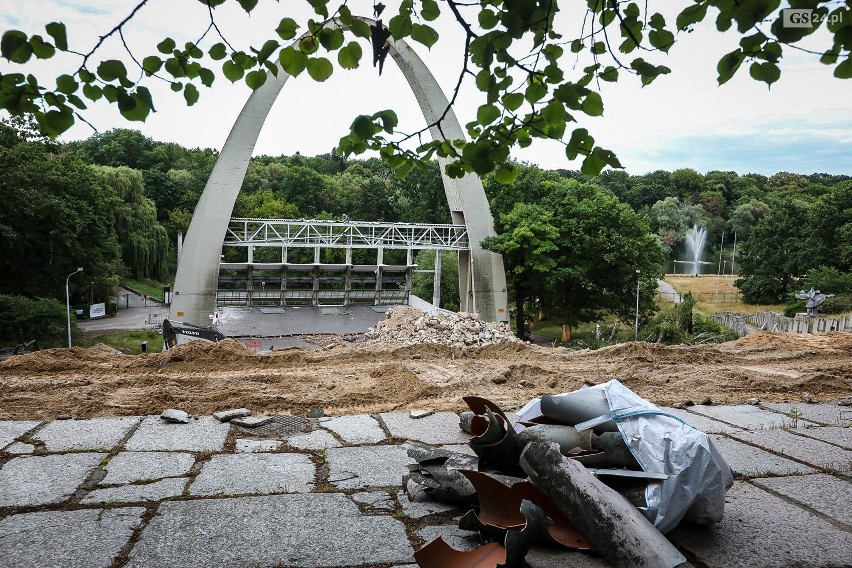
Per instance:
{"type": "Point", "coordinates": [371, 377]}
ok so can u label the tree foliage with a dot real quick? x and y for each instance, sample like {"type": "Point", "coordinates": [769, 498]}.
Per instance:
{"type": "Point", "coordinates": [24, 319]}
{"type": "Point", "coordinates": [536, 72]}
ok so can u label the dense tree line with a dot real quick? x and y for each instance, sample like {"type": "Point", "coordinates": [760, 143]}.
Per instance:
{"type": "Point", "coordinates": [116, 202]}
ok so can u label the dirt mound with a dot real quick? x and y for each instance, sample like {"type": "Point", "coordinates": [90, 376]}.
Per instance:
{"type": "Point", "coordinates": [379, 376]}
{"type": "Point", "coordinates": [411, 326]}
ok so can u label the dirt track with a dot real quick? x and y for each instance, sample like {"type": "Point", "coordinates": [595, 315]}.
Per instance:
{"type": "Point", "coordinates": [370, 377]}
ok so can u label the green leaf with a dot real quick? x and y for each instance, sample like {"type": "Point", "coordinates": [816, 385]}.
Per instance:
{"type": "Point", "coordinates": [349, 57]}
{"type": "Point", "coordinates": [599, 48]}
{"type": "Point", "coordinates": [151, 64]}
{"type": "Point", "coordinates": [41, 49]}
{"type": "Point", "coordinates": [728, 65]}
{"type": "Point", "coordinates": [77, 102]}
{"type": "Point", "coordinates": [292, 60]}
{"type": "Point", "coordinates": [167, 46]}
{"type": "Point", "coordinates": [15, 47]}
{"type": "Point", "coordinates": [134, 106]}
{"type": "Point", "coordinates": [320, 7]}
{"type": "Point", "coordinates": [424, 34]}
{"type": "Point", "coordinates": [513, 101]}
{"type": "Point", "coordinates": [691, 15]}
{"type": "Point", "coordinates": [488, 19]}
{"type": "Point", "coordinates": [535, 92]}
{"type": "Point", "coordinates": [429, 10]}
{"type": "Point", "coordinates": [268, 49]}
{"type": "Point", "coordinates": [112, 69]}
{"type": "Point", "coordinates": [56, 122]}
{"type": "Point", "coordinates": [592, 104]}
{"type": "Point", "coordinates": [308, 45]}
{"type": "Point", "coordinates": [56, 30]}
{"type": "Point", "coordinates": [610, 74]}
{"type": "Point", "coordinates": [256, 79]}
{"type": "Point", "coordinates": [505, 173]}
{"type": "Point", "coordinates": [190, 93]}
{"type": "Point", "coordinates": [576, 46]}
{"type": "Point", "coordinates": [85, 76]}
{"type": "Point", "coordinates": [287, 28]}
{"type": "Point", "coordinates": [66, 84]}
{"type": "Point", "coordinates": [844, 69]}
{"type": "Point", "coordinates": [248, 5]}
{"type": "Point", "coordinates": [218, 51]}
{"type": "Point", "coordinates": [207, 76]}
{"type": "Point", "coordinates": [363, 127]}
{"type": "Point", "coordinates": [360, 28]}
{"type": "Point", "coordinates": [232, 71]}
{"type": "Point", "coordinates": [388, 119]}
{"type": "Point", "coordinates": [331, 38]}
{"type": "Point", "coordinates": [486, 114]}
{"type": "Point", "coordinates": [92, 92]}
{"type": "Point", "coordinates": [661, 39]}
{"type": "Point", "coordinates": [766, 72]}
{"type": "Point", "coordinates": [400, 26]}
{"type": "Point", "coordinates": [319, 69]}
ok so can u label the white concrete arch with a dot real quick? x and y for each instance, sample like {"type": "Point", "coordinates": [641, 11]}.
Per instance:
{"type": "Point", "coordinates": [482, 280]}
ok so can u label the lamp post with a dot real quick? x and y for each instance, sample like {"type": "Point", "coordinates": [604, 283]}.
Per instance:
{"type": "Point", "coordinates": [68, 303]}
{"type": "Point", "coordinates": [636, 328]}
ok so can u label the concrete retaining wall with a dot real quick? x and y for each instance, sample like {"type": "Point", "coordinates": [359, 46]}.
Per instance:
{"type": "Point", "coordinates": [772, 321]}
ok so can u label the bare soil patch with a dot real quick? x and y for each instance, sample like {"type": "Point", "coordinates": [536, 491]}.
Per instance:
{"type": "Point", "coordinates": [375, 376]}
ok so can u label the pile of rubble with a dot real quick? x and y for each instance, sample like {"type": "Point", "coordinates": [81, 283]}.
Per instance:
{"type": "Point", "coordinates": [411, 326]}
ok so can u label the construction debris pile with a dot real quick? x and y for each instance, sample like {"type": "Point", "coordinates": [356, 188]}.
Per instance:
{"type": "Point", "coordinates": [411, 326]}
{"type": "Point", "coordinates": [599, 469]}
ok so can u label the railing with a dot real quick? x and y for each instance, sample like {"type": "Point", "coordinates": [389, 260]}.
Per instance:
{"type": "Point", "coordinates": [349, 234]}
{"type": "Point", "coordinates": [237, 298]}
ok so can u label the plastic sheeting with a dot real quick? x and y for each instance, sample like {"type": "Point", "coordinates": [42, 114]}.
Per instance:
{"type": "Point", "coordinates": [698, 477]}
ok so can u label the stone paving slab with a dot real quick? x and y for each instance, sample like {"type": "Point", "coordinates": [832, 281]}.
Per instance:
{"type": "Point", "coordinates": [156, 491]}
{"type": "Point", "coordinates": [436, 429]}
{"type": "Point", "coordinates": [375, 500]}
{"type": "Point", "coordinates": [248, 446]}
{"type": "Point", "coordinates": [760, 529]}
{"type": "Point", "coordinates": [41, 480]}
{"type": "Point", "coordinates": [89, 538]}
{"type": "Point", "coordinates": [19, 448]}
{"type": "Point", "coordinates": [316, 530]}
{"type": "Point", "coordinates": [316, 440]}
{"type": "Point", "coordinates": [11, 429]}
{"type": "Point", "coordinates": [747, 416]}
{"type": "Point", "coordinates": [99, 434]}
{"type": "Point", "coordinates": [242, 474]}
{"type": "Point", "coordinates": [827, 414]}
{"type": "Point", "coordinates": [370, 466]}
{"type": "Point", "coordinates": [129, 467]}
{"type": "Point", "coordinates": [452, 535]}
{"type": "Point", "coordinates": [359, 429]}
{"type": "Point", "coordinates": [754, 462]}
{"type": "Point", "coordinates": [802, 448]}
{"type": "Point", "coordinates": [703, 423]}
{"type": "Point", "coordinates": [540, 557]}
{"type": "Point", "coordinates": [423, 507]}
{"type": "Point", "coordinates": [831, 496]}
{"type": "Point", "coordinates": [831, 434]}
{"type": "Point", "coordinates": [203, 435]}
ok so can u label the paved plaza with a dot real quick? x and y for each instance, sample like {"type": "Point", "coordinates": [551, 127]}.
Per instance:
{"type": "Point", "coordinates": [136, 491]}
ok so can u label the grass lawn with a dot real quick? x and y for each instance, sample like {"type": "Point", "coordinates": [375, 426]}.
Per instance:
{"type": "Point", "coordinates": [129, 342]}
{"type": "Point", "coordinates": [716, 294]}
{"type": "Point", "coordinates": [153, 288]}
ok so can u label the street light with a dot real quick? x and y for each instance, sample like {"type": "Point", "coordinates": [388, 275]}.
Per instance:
{"type": "Point", "coordinates": [68, 303]}
{"type": "Point", "coordinates": [636, 329]}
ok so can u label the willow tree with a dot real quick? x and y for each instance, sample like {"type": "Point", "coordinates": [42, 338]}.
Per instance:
{"type": "Point", "coordinates": [144, 242]}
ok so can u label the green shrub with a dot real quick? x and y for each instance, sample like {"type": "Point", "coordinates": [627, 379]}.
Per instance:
{"type": "Point", "coordinates": [23, 319]}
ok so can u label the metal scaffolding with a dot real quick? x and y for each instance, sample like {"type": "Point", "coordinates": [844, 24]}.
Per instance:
{"type": "Point", "coordinates": [281, 283]}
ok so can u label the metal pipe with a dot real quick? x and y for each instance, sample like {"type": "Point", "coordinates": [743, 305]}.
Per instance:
{"type": "Point", "coordinates": [638, 280]}
{"type": "Point", "coordinates": [68, 303]}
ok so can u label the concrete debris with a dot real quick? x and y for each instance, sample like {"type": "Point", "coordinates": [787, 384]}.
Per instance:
{"type": "Point", "coordinates": [228, 415]}
{"type": "Point", "coordinates": [753, 401]}
{"type": "Point", "coordinates": [845, 401]}
{"type": "Point", "coordinates": [252, 421]}
{"type": "Point", "coordinates": [415, 414]}
{"type": "Point", "coordinates": [411, 326]}
{"type": "Point", "coordinates": [175, 415]}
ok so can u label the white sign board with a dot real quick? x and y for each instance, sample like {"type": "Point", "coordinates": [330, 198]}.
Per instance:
{"type": "Point", "coordinates": [97, 310]}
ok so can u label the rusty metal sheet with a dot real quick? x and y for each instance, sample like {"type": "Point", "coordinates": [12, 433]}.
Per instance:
{"type": "Point", "coordinates": [439, 554]}
{"type": "Point", "coordinates": [500, 508]}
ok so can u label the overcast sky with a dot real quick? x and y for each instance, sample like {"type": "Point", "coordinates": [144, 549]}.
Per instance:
{"type": "Point", "coordinates": [802, 124]}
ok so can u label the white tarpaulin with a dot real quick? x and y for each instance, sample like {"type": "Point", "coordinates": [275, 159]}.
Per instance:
{"type": "Point", "coordinates": [698, 476]}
